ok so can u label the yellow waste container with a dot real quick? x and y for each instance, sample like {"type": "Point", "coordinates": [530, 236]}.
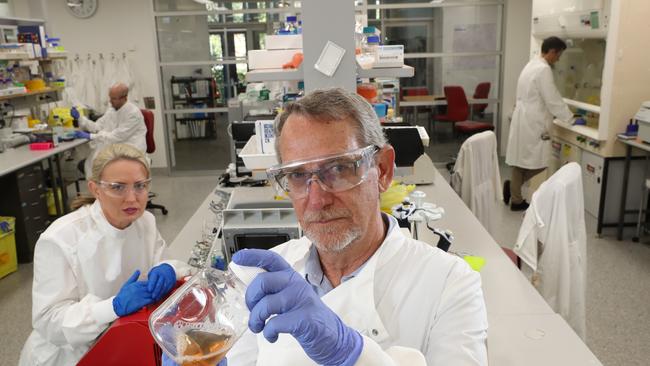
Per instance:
{"type": "Point", "coordinates": [8, 260]}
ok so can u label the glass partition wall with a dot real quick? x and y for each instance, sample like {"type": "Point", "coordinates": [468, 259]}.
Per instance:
{"type": "Point", "coordinates": [202, 48]}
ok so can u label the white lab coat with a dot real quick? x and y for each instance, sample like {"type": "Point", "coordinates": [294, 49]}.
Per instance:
{"type": "Point", "coordinates": [476, 177]}
{"type": "Point", "coordinates": [538, 101]}
{"type": "Point", "coordinates": [410, 300]}
{"type": "Point", "coordinates": [552, 244]}
{"type": "Point", "coordinates": [80, 264]}
{"type": "Point", "coordinates": [125, 126]}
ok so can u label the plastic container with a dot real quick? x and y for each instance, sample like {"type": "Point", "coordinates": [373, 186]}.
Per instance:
{"type": "Point", "coordinates": [201, 321]}
{"type": "Point", "coordinates": [253, 158]}
{"type": "Point", "coordinates": [41, 145]}
{"type": "Point", "coordinates": [8, 259]}
{"type": "Point", "coordinates": [291, 25]}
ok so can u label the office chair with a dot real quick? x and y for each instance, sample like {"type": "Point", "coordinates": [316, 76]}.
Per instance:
{"type": "Point", "coordinates": [482, 91]}
{"type": "Point", "coordinates": [457, 114]}
{"type": "Point", "coordinates": [151, 147]}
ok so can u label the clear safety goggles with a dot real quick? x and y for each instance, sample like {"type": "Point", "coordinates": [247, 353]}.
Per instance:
{"type": "Point", "coordinates": [120, 190]}
{"type": "Point", "coordinates": [334, 173]}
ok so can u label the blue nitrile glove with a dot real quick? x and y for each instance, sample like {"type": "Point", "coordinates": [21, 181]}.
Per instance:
{"type": "Point", "coordinates": [132, 296]}
{"type": "Point", "coordinates": [580, 122]}
{"type": "Point", "coordinates": [166, 361]}
{"type": "Point", "coordinates": [160, 280]}
{"type": "Point", "coordinates": [82, 135]}
{"type": "Point", "coordinates": [300, 312]}
{"type": "Point", "coordinates": [74, 113]}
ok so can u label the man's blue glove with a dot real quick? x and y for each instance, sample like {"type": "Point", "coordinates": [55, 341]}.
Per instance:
{"type": "Point", "coordinates": [132, 296]}
{"type": "Point", "coordinates": [166, 361]}
{"type": "Point", "coordinates": [160, 280]}
{"type": "Point", "coordinates": [74, 113]}
{"type": "Point", "coordinates": [82, 135]}
{"type": "Point", "coordinates": [300, 312]}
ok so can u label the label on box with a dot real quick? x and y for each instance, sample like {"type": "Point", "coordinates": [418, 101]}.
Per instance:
{"type": "Point", "coordinates": [389, 56]}
{"type": "Point", "coordinates": [266, 136]}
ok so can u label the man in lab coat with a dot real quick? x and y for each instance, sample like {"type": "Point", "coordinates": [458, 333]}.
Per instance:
{"type": "Point", "coordinates": [354, 290]}
{"type": "Point", "coordinates": [538, 102]}
{"type": "Point", "coordinates": [122, 123]}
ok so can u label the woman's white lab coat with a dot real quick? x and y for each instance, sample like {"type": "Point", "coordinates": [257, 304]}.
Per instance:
{"type": "Point", "coordinates": [411, 302]}
{"type": "Point", "coordinates": [124, 126]}
{"type": "Point", "coordinates": [538, 101]}
{"type": "Point", "coordinates": [80, 263]}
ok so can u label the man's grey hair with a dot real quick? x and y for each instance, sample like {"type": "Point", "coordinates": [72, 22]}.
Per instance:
{"type": "Point", "coordinates": [335, 104]}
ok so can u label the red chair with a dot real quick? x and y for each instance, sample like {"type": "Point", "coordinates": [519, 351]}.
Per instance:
{"type": "Point", "coordinates": [151, 148]}
{"type": "Point", "coordinates": [458, 112]}
{"type": "Point", "coordinates": [482, 91]}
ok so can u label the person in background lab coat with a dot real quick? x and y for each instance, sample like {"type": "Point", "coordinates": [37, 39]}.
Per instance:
{"type": "Point", "coordinates": [355, 290]}
{"type": "Point", "coordinates": [538, 102]}
{"type": "Point", "coordinates": [88, 262]}
{"type": "Point", "coordinates": [123, 123]}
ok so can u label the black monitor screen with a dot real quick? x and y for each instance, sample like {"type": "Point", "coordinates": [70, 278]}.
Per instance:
{"type": "Point", "coordinates": [259, 241]}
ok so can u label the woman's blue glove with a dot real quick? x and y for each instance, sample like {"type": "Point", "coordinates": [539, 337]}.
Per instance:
{"type": "Point", "coordinates": [132, 297]}
{"type": "Point", "coordinates": [74, 113]}
{"type": "Point", "coordinates": [160, 280]}
{"type": "Point", "coordinates": [300, 312]}
{"type": "Point", "coordinates": [82, 135]}
{"type": "Point", "coordinates": [166, 361]}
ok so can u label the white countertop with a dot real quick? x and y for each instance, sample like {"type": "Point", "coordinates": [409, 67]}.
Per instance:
{"type": "Point", "coordinates": [20, 157]}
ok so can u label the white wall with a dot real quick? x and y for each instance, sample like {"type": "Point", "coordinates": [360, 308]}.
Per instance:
{"type": "Point", "coordinates": [516, 55]}
{"type": "Point", "coordinates": [118, 26]}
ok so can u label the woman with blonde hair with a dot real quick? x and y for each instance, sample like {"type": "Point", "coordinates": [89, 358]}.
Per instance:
{"type": "Point", "coordinates": [87, 263]}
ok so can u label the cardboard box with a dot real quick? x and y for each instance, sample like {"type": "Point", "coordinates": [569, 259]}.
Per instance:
{"type": "Point", "coordinates": [283, 42]}
{"type": "Point", "coordinates": [269, 59]}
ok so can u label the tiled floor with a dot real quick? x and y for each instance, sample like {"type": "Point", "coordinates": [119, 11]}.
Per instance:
{"type": "Point", "coordinates": [618, 289]}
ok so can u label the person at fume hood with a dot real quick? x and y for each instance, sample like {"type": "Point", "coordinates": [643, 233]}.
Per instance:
{"type": "Point", "coordinates": [123, 123]}
{"type": "Point", "coordinates": [87, 263]}
{"type": "Point", "coordinates": [355, 290]}
{"type": "Point", "coordinates": [538, 102]}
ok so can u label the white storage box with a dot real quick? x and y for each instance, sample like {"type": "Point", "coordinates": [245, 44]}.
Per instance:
{"type": "Point", "coordinates": [253, 158]}
{"type": "Point", "coordinates": [389, 56]}
{"type": "Point", "coordinates": [269, 59]}
{"type": "Point", "coordinates": [283, 42]}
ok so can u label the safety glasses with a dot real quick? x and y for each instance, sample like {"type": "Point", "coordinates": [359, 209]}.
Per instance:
{"type": "Point", "coordinates": [119, 190]}
{"type": "Point", "coordinates": [334, 173]}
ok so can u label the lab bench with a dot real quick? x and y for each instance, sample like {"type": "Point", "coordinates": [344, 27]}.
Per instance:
{"type": "Point", "coordinates": [23, 191]}
{"type": "Point", "coordinates": [523, 329]}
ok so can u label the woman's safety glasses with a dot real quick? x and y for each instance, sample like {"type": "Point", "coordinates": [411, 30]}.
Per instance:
{"type": "Point", "coordinates": [119, 190]}
{"type": "Point", "coordinates": [334, 173]}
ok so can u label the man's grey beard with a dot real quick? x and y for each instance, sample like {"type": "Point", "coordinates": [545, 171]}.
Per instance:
{"type": "Point", "coordinates": [335, 246]}
{"type": "Point", "coordinates": [336, 241]}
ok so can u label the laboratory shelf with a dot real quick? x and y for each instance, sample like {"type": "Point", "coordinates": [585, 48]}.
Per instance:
{"type": "Point", "coordinates": [274, 75]}
{"type": "Point", "coordinates": [14, 56]}
{"type": "Point", "coordinates": [297, 74]}
{"type": "Point", "coordinates": [387, 72]}
{"type": "Point", "coordinates": [590, 132]}
{"type": "Point", "coordinates": [581, 105]}
{"type": "Point", "coordinates": [29, 94]}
